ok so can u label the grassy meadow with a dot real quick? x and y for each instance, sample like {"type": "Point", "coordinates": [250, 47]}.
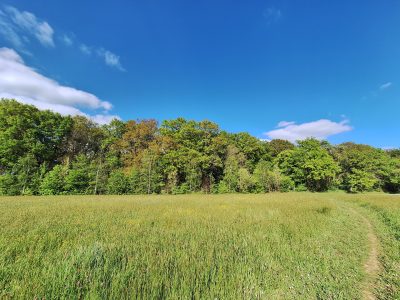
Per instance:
{"type": "Point", "coordinates": [269, 246]}
{"type": "Point", "coordinates": [384, 211]}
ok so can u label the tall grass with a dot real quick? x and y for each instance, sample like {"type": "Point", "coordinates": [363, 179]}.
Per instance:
{"type": "Point", "coordinates": [274, 246]}
{"type": "Point", "coordinates": [385, 211]}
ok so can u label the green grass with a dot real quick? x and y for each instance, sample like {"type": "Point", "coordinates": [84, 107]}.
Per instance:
{"type": "Point", "coordinates": [273, 246]}
{"type": "Point", "coordinates": [384, 210]}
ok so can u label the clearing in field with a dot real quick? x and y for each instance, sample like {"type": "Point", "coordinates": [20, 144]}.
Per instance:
{"type": "Point", "coordinates": [270, 246]}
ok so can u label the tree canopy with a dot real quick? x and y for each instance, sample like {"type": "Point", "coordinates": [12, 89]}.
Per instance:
{"type": "Point", "coordinates": [44, 153]}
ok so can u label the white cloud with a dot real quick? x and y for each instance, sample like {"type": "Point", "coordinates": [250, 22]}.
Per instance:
{"type": "Point", "coordinates": [272, 14]}
{"type": "Point", "coordinates": [19, 27]}
{"type": "Point", "coordinates": [85, 49]}
{"type": "Point", "coordinates": [385, 86]}
{"type": "Point", "coordinates": [104, 119]}
{"type": "Point", "coordinates": [110, 59]}
{"type": "Point", "coordinates": [67, 40]}
{"type": "Point", "coordinates": [16, 24]}
{"type": "Point", "coordinates": [8, 31]}
{"type": "Point", "coordinates": [284, 124]}
{"type": "Point", "coordinates": [60, 108]}
{"type": "Point", "coordinates": [18, 79]}
{"type": "Point", "coordinates": [320, 130]}
{"type": "Point", "coordinates": [25, 84]}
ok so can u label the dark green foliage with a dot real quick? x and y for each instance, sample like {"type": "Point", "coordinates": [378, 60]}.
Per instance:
{"type": "Point", "coordinates": [193, 152]}
{"type": "Point", "coordinates": [26, 130]}
{"type": "Point", "coordinates": [268, 178]}
{"type": "Point", "coordinates": [42, 152]}
{"type": "Point", "coordinates": [391, 179]}
{"type": "Point", "coordinates": [252, 148]}
{"type": "Point", "coordinates": [394, 153]}
{"type": "Point", "coordinates": [9, 185]}
{"type": "Point", "coordinates": [54, 181]}
{"type": "Point", "coordinates": [277, 146]}
{"type": "Point", "coordinates": [80, 177]}
{"type": "Point", "coordinates": [364, 168]}
{"type": "Point", "coordinates": [310, 165]}
{"type": "Point", "coordinates": [118, 183]}
{"type": "Point", "coordinates": [234, 161]}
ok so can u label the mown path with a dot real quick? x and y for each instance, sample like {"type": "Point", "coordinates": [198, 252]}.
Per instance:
{"type": "Point", "coordinates": [372, 264]}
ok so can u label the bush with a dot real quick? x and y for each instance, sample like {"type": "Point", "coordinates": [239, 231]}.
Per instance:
{"type": "Point", "coordinates": [181, 189]}
{"type": "Point", "coordinates": [301, 188]}
{"type": "Point", "coordinates": [222, 187]}
{"type": "Point", "coordinates": [286, 184]}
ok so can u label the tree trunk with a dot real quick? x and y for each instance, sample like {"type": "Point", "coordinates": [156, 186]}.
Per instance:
{"type": "Point", "coordinates": [97, 177]}
{"type": "Point", "coordinates": [149, 177]}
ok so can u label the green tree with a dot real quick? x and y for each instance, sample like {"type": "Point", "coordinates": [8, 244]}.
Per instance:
{"type": "Point", "coordinates": [181, 156]}
{"type": "Point", "coordinates": [85, 138]}
{"type": "Point", "coordinates": [365, 164]}
{"type": "Point", "coordinates": [136, 138]}
{"type": "Point", "coordinates": [310, 165]}
{"type": "Point", "coordinates": [9, 185]}
{"type": "Point", "coordinates": [245, 181]}
{"type": "Point", "coordinates": [252, 148]}
{"type": "Point", "coordinates": [277, 146]}
{"type": "Point", "coordinates": [53, 182]}
{"type": "Point", "coordinates": [26, 130]}
{"type": "Point", "coordinates": [27, 173]}
{"type": "Point", "coordinates": [268, 178]}
{"type": "Point", "coordinates": [150, 171]}
{"type": "Point", "coordinates": [118, 183]}
{"type": "Point", "coordinates": [193, 174]}
{"type": "Point", "coordinates": [193, 150]}
{"type": "Point", "coordinates": [235, 160]}
{"type": "Point", "coordinates": [391, 178]}
{"type": "Point", "coordinates": [395, 153]}
{"type": "Point", "coordinates": [360, 181]}
{"type": "Point", "coordinates": [80, 177]}
{"type": "Point", "coordinates": [262, 177]}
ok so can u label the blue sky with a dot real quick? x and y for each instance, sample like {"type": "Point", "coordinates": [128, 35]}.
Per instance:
{"type": "Point", "coordinates": [329, 69]}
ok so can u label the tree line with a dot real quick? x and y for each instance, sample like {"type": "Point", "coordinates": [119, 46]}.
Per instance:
{"type": "Point", "coordinates": [44, 153]}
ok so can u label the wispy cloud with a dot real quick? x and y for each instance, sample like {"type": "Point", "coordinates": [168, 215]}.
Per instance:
{"type": "Point", "coordinates": [110, 59]}
{"type": "Point", "coordinates": [67, 40]}
{"type": "Point", "coordinates": [19, 81]}
{"type": "Point", "coordinates": [377, 91]}
{"type": "Point", "coordinates": [19, 27]}
{"type": "Point", "coordinates": [85, 49]}
{"type": "Point", "coordinates": [272, 14]}
{"type": "Point", "coordinates": [8, 31]}
{"type": "Point", "coordinates": [385, 86]}
{"type": "Point", "coordinates": [320, 130]}
{"type": "Point", "coordinates": [285, 124]}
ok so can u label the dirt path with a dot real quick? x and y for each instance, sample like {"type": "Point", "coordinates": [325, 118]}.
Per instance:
{"type": "Point", "coordinates": [371, 265]}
